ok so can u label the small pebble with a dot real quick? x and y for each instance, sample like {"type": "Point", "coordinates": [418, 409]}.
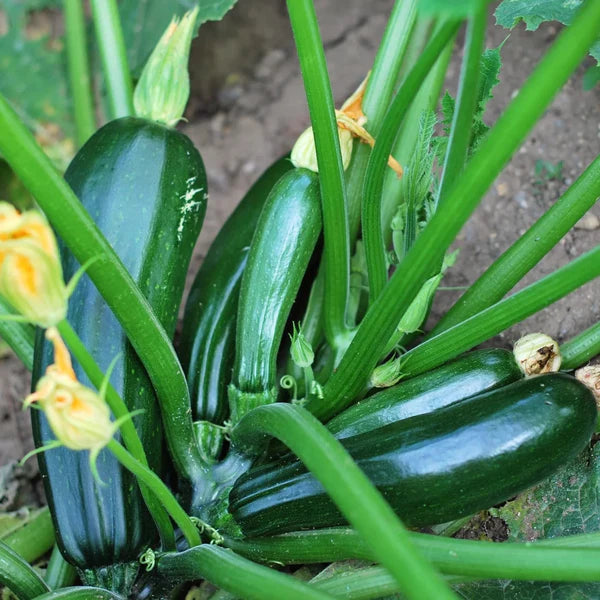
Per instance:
{"type": "Point", "coordinates": [589, 222]}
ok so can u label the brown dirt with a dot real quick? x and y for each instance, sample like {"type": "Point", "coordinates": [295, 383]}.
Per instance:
{"type": "Point", "coordinates": [248, 106]}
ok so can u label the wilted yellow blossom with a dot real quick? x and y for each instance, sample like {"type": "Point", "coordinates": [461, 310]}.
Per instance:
{"type": "Point", "coordinates": [31, 278]}
{"type": "Point", "coordinates": [78, 416]}
{"type": "Point", "coordinates": [350, 121]}
{"type": "Point", "coordinates": [536, 354]}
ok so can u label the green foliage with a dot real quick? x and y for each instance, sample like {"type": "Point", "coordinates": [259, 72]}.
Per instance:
{"type": "Point", "coordinates": [144, 22]}
{"type": "Point", "coordinates": [536, 12]}
{"type": "Point", "coordinates": [34, 77]}
{"type": "Point", "coordinates": [546, 171]}
{"type": "Point", "coordinates": [591, 78]}
{"type": "Point", "coordinates": [565, 504]}
{"type": "Point", "coordinates": [417, 312]}
{"type": "Point", "coordinates": [11, 522]}
{"type": "Point", "coordinates": [417, 202]}
{"type": "Point", "coordinates": [33, 62]}
{"type": "Point", "coordinates": [491, 63]}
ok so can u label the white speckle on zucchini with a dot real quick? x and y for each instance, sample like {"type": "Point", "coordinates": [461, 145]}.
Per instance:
{"type": "Point", "coordinates": [189, 204]}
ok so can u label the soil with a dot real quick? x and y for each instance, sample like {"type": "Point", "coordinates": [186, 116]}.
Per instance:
{"type": "Point", "coordinates": [248, 107]}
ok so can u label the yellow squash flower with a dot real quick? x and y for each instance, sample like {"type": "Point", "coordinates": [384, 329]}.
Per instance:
{"type": "Point", "coordinates": [31, 278]}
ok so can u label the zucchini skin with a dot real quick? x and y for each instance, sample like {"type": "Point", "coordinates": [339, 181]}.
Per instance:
{"type": "Point", "coordinates": [473, 373]}
{"type": "Point", "coordinates": [436, 467]}
{"type": "Point", "coordinates": [285, 238]}
{"type": "Point", "coordinates": [207, 345]}
{"type": "Point", "coordinates": [145, 187]}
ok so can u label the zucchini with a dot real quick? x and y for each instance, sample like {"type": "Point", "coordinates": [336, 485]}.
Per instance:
{"type": "Point", "coordinates": [435, 467]}
{"type": "Point", "coordinates": [473, 373]}
{"type": "Point", "coordinates": [207, 345]}
{"type": "Point", "coordinates": [145, 187]}
{"type": "Point", "coordinates": [287, 232]}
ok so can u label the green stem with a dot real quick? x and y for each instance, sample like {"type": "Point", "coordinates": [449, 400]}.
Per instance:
{"type": "Point", "coordinates": [425, 102]}
{"type": "Point", "coordinates": [373, 185]}
{"type": "Point", "coordinates": [79, 70]}
{"type": "Point", "coordinates": [59, 573]}
{"type": "Point", "coordinates": [504, 138]}
{"type": "Point", "coordinates": [160, 490]}
{"type": "Point", "coordinates": [34, 538]}
{"type": "Point", "coordinates": [388, 60]}
{"type": "Point", "coordinates": [18, 576]}
{"type": "Point", "coordinates": [336, 251]}
{"type": "Point", "coordinates": [113, 55]}
{"type": "Point", "coordinates": [506, 271]}
{"type": "Point", "coordinates": [558, 559]}
{"type": "Point", "coordinates": [80, 593]}
{"type": "Point", "coordinates": [366, 583]}
{"type": "Point", "coordinates": [583, 347]}
{"type": "Point", "coordinates": [466, 101]}
{"type": "Point", "coordinates": [419, 36]}
{"type": "Point", "coordinates": [580, 540]}
{"type": "Point", "coordinates": [312, 320]}
{"type": "Point", "coordinates": [79, 232]}
{"type": "Point", "coordinates": [480, 327]}
{"type": "Point", "coordinates": [223, 595]}
{"type": "Point", "coordinates": [356, 497]}
{"type": "Point", "coordinates": [235, 574]}
{"type": "Point", "coordinates": [19, 336]}
{"type": "Point", "coordinates": [380, 88]}
{"type": "Point", "coordinates": [128, 431]}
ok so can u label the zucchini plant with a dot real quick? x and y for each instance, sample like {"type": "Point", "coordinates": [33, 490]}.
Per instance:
{"type": "Point", "coordinates": [170, 460]}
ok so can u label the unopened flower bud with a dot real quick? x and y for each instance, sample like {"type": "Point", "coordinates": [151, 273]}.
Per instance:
{"type": "Point", "coordinates": [163, 89]}
{"type": "Point", "coordinates": [386, 374]}
{"type": "Point", "coordinates": [301, 350]}
{"type": "Point", "coordinates": [536, 354]}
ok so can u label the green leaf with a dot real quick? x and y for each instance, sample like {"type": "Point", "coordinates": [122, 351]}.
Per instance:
{"type": "Point", "coordinates": [536, 12]}
{"type": "Point", "coordinates": [214, 10]}
{"type": "Point", "coordinates": [567, 503]}
{"type": "Point", "coordinates": [10, 522]}
{"type": "Point", "coordinates": [591, 78]}
{"type": "Point", "coordinates": [548, 171]}
{"type": "Point", "coordinates": [144, 21]}
{"type": "Point", "coordinates": [417, 312]}
{"type": "Point", "coordinates": [33, 64]}
{"type": "Point", "coordinates": [34, 77]}
{"type": "Point", "coordinates": [417, 181]}
{"type": "Point", "coordinates": [491, 63]}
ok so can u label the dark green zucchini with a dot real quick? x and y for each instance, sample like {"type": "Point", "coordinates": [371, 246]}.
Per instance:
{"type": "Point", "coordinates": [436, 467]}
{"type": "Point", "coordinates": [473, 373]}
{"type": "Point", "coordinates": [145, 187]}
{"type": "Point", "coordinates": [207, 345]}
{"type": "Point", "coordinates": [285, 237]}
